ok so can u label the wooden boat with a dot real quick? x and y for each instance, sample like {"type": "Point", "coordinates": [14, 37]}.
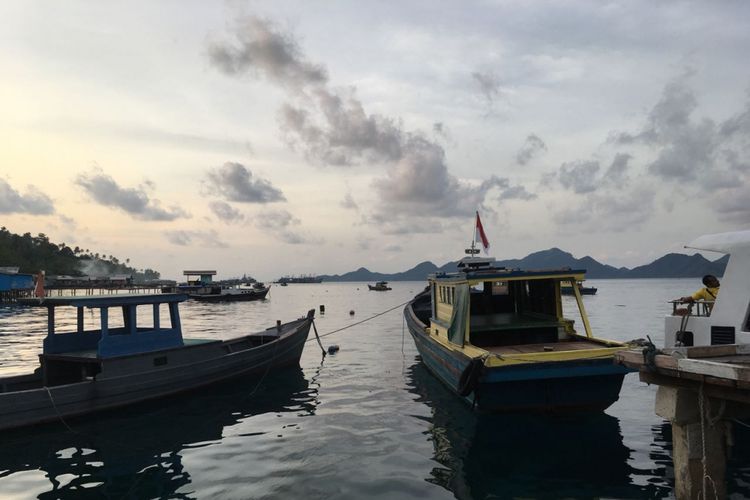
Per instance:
{"type": "Point", "coordinates": [232, 294]}
{"type": "Point", "coordinates": [567, 289]}
{"type": "Point", "coordinates": [380, 286]}
{"type": "Point", "coordinates": [83, 371]}
{"type": "Point", "coordinates": [726, 319]}
{"type": "Point", "coordinates": [497, 338]}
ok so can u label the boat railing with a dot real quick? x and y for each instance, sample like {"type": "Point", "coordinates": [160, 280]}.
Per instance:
{"type": "Point", "coordinates": [691, 308]}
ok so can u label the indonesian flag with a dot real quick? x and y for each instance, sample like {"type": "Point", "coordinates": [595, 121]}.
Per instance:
{"type": "Point", "coordinates": [480, 236]}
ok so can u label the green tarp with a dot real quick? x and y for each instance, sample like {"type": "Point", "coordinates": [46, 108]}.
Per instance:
{"type": "Point", "coordinates": [457, 329]}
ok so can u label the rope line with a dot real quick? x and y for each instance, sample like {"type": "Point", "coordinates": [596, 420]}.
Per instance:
{"type": "Point", "coordinates": [363, 321]}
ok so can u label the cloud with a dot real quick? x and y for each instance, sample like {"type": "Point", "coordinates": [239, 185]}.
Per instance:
{"type": "Point", "coordinates": [261, 48]}
{"type": "Point", "coordinates": [734, 205]}
{"type": "Point", "coordinates": [200, 238]}
{"type": "Point", "coordinates": [33, 202]}
{"type": "Point", "coordinates": [693, 152]}
{"type": "Point", "coordinates": [235, 183]}
{"type": "Point", "coordinates": [332, 127]}
{"type": "Point", "coordinates": [616, 211]}
{"type": "Point", "coordinates": [489, 86]}
{"type": "Point", "coordinates": [134, 201]}
{"type": "Point", "coordinates": [225, 212]}
{"type": "Point", "coordinates": [279, 223]}
{"type": "Point", "coordinates": [532, 148]}
{"type": "Point", "coordinates": [349, 203]}
{"type": "Point", "coordinates": [421, 185]}
{"type": "Point", "coordinates": [579, 176]}
{"type": "Point", "coordinates": [618, 171]}
{"type": "Point", "coordinates": [515, 193]}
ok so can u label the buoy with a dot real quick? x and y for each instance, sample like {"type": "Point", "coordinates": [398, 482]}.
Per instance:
{"type": "Point", "coordinates": [351, 313]}
{"type": "Point", "coordinates": [333, 349]}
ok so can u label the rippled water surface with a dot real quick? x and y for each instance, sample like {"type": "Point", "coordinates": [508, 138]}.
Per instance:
{"type": "Point", "coordinates": [367, 422]}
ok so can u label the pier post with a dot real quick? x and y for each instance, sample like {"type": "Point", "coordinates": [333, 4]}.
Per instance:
{"type": "Point", "coordinates": [699, 442]}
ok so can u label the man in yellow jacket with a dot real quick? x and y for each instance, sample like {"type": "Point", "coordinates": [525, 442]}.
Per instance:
{"type": "Point", "coordinates": [708, 293]}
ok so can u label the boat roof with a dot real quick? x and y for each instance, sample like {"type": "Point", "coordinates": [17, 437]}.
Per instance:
{"type": "Point", "coordinates": [106, 300]}
{"type": "Point", "coordinates": [721, 242]}
{"type": "Point", "coordinates": [495, 273]}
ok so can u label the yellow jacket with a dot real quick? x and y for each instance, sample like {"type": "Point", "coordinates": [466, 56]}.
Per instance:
{"type": "Point", "coordinates": [705, 293]}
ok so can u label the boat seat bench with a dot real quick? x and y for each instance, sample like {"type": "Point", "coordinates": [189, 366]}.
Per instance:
{"type": "Point", "coordinates": [501, 329]}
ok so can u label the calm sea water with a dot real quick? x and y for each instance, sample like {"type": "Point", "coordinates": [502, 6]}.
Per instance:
{"type": "Point", "coordinates": [367, 422]}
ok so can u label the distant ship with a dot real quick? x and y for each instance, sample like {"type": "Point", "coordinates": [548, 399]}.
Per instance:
{"type": "Point", "coordinates": [300, 279]}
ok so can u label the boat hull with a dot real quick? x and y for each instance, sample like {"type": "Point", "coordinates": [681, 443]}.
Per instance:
{"type": "Point", "coordinates": [231, 297]}
{"type": "Point", "coordinates": [577, 385]}
{"type": "Point", "coordinates": [147, 376]}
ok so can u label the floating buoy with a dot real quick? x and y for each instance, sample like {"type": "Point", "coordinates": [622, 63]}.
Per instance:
{"type": "Point", "coordinates": [333, 349]}
{"type": "Point", "coordinates": [351, 313]}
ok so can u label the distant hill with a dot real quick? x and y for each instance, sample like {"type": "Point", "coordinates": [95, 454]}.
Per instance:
{"type": "Point", "coordinates": [673, 265]}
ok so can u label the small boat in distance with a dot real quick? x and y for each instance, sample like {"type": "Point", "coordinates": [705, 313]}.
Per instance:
{"type": "Point", "coordinates": [233, 293]}
{"type": "Point", "coordinates": [497, 338]}
{"type": "Point", "coordinates": [83, 371]}
{"type": "Point", "coordinates": [380, 286]}
{"type": "Point", "coordinates": [567, 289]}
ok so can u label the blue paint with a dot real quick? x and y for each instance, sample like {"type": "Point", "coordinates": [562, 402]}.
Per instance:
{"type": "Point", "coordinates": [111, 342]}
{"type": "Point", "coordinates": [16, 281]}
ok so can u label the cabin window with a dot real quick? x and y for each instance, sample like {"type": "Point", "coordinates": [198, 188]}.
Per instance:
{"type": "Point", "coordinates": [746, 324]}
{"type": "Point", "coordinates": [499, 288]}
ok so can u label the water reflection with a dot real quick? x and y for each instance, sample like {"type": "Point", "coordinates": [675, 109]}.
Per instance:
{"type": "Point", "coordinates": [137, 452]}
{"type": "Point", "coordinates": [525, 455]}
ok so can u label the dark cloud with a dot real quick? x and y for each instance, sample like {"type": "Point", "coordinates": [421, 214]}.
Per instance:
{"type": "Point", "coordinates": [134, 201]}
{"type": "Point", "coordinates": [489, 86]}
{"type": "Point", "coordinates": [331, 127]}
{"type": "Point", "coordinates": [33, 202]}
{"type": "Point", "coordinates": [691, 151]}
{"type": "Point", "coordinates": [338, 131]}
{"type": "Point", "coordinates": [200, 238]}
{"type": "Point", "coordinates": [226, 212]}
{"type": "Point", "coordinates": [235, 183]}
{"type": "Point", "coordinates": [420, 184]}
{"type": "Point", "coordinates": [579, 176]}
{"type": "Point", "coordinates": [618, 171]}
{"type": "Point", "coordinates": [279, 223]}
{"type": "Point", "coordinates": [261, 48]}
{"type": "Point", "coordinates": [532, 148]}
{"type": "Point", "coordinates": [515, 193]}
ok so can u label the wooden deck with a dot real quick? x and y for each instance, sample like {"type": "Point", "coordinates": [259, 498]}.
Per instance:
{"type": "Point", "coordinates": [562, 346]}
{"type": "Point", "coordinates": [723, 370]}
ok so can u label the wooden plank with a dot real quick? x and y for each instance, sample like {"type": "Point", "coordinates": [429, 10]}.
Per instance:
{"type": "Point", "coordinates": [711, 351]}
{"type": "Point", "coordinates": [712, 391]}
{"type": "Point", "coordinates": [713, 369]}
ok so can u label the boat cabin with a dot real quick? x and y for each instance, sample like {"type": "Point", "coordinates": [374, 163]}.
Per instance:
{"type": "Point", "coordinates": [727, 319]}
{"type": "Point", "coordinates": [493, 307]}
{"type": "Point", "coordinates": [72, 352]}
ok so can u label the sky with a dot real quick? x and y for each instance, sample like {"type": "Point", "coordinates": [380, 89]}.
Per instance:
{"type": "Point", "coordinates": [290, 137]}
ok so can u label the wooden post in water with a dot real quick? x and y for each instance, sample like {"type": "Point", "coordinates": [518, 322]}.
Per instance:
{"type": "Point", "coordinates": [699, 442]}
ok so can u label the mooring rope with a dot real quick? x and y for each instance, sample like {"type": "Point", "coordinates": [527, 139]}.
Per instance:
{"type": "Point", "coordinates": [363, 321]}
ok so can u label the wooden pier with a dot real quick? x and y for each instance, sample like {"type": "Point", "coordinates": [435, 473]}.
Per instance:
{"type": "Point", "coordinates": [702, 391]}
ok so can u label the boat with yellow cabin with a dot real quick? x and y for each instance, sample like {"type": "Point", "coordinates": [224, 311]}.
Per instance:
{"type": "Point", "coordinates": [498, 338]}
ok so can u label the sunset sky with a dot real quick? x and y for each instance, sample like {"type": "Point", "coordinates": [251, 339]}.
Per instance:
{"type": "Point", "coordinates": [281, 137]}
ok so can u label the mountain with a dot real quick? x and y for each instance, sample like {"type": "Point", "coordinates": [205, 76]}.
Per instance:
{"type": "Point", "coordinates": [672, 265]}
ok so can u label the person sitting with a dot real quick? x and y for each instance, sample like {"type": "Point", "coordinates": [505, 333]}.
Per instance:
{"type": "Point", "coordinates": [706, 294]}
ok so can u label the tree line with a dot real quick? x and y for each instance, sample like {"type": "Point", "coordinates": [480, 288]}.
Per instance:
{"type": "Point", "coordinates": [34, 253]}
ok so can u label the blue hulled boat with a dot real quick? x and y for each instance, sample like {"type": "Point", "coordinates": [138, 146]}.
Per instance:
{"type": "Point", "coordinates": [144, 356]}
{"type": "Point", "coordinates": [497, 338]}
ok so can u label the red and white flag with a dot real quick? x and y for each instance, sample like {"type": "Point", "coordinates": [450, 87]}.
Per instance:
{"type": "Point", "coordinates": [479, 236]}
